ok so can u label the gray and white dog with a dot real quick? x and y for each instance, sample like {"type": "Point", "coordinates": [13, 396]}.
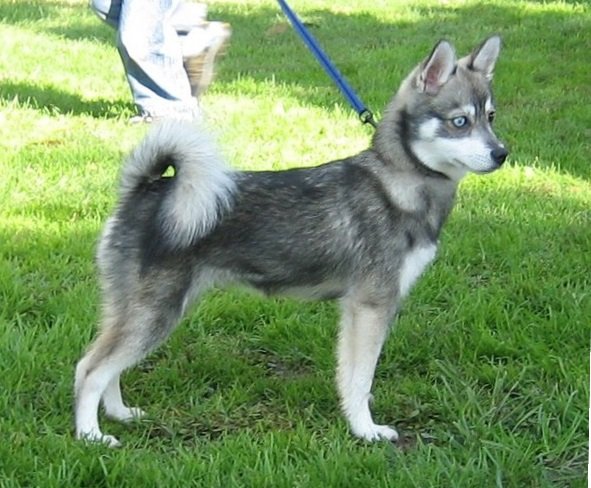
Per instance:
{"type": "Point", "coordinates": [360, 230]}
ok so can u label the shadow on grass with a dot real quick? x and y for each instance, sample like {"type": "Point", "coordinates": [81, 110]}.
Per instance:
{"type": "Point", "coordinates": [39, 11]}
{"type": "Point", "coordinates": [25, 12]}
{"type": "Point", "coordinates": [53, 99]}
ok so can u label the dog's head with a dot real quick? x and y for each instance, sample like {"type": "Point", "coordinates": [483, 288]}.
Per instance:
{"type": "Point", "coordinates": [445, 111]}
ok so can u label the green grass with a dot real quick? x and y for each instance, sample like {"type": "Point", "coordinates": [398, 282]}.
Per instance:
{"type": "Point", "coordinates": [487, 372]}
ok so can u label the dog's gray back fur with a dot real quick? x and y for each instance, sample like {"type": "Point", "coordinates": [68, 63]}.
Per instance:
{"type": "Point", "coordinates": [323, 231]}
{"type": "Point", "coordinates": [319, 232]}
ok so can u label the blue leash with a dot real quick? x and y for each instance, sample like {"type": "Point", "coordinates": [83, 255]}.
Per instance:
{"type": "Point", "coordinates": [364, 113]}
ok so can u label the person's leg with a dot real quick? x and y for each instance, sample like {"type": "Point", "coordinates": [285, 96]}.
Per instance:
{"type": "Point", "coordinates": [151, 52]}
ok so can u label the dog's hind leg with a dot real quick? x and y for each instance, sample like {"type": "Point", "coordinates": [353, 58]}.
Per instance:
{"type": "Point", "coordinates": [118, 347]}
{"type": "Point", "coordinates": [114, 406]}
{"type": "Point", "coordinates": [364, 328]}
{"type": "Point", "coordinates": [107, 358]}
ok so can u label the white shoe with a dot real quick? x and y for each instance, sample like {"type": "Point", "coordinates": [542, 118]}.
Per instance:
{"type": "Point", "coordinates": [189, 15]}
{"type": "Point", "coordinates": [201, 47]}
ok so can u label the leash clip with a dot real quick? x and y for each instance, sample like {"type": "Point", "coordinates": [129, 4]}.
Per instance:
{"type": "Point", "coordinates": [367, 118]}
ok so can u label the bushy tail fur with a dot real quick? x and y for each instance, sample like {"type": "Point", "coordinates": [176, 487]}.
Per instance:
{"type": "Point", "coordinates": [202, 185]}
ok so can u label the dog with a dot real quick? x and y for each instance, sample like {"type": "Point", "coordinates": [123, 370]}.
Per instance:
{"type": "Point", "coordinates": [360, 230]}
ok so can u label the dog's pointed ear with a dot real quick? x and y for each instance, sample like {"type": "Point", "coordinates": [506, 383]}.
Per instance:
{"type": "Point", "coordinates": [484, 57]}
{"type": "Point", "coordinates": [437, 68]}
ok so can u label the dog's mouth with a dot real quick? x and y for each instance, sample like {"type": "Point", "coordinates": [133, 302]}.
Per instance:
{"type": "Point", "coordinates": [486, 171]}
{"type": "Point", "coordinates": [477, 168]}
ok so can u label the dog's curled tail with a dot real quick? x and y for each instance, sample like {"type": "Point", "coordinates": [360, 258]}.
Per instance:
{"type": "Point", "coordinates": [201, 187]}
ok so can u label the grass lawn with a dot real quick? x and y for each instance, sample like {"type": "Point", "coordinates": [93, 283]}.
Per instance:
{"type": "Point", "coordinates": [487, 372]}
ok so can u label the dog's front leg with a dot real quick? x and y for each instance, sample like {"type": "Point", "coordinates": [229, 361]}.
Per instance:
{"type": "Point", "coordinates": [363, 331]}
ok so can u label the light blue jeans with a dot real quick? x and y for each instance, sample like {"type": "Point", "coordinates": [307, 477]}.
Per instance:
{"type": "Point", "coordinates": [148, 40]}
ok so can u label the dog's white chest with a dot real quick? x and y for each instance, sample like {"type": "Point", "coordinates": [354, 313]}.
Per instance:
{"type": "Point", "coordinates": [413, 266]}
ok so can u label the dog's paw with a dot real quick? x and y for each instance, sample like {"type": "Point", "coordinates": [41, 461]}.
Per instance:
{"type": "Point", "coordinates": [110, 441]}
{"type": "Point", "coordinates": [99, 438]}
{"type": "Point", "coordinates": [125, 414]}
{"type": "Point", "coordinates": [374, 432]}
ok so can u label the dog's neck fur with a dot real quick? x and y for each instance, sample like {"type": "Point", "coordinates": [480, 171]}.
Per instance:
{"type": "Point", "coordinates": [391, 140]}
{"type": "Point", "coordinates": [413, 186]}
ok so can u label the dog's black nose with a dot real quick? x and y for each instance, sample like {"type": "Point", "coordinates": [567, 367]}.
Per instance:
{"type": "Point", "coordinates": [499, 155]}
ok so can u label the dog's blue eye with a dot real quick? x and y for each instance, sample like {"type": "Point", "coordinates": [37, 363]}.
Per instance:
{"type": "Point", "coordinates": [459, 122]}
